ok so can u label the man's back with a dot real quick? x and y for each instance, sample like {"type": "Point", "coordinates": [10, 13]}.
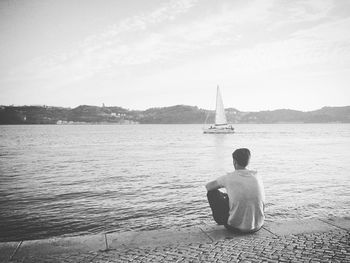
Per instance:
{"type": "Point", "coordinates": [246, 199]}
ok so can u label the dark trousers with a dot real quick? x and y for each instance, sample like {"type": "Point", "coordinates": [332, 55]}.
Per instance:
{"type": "Point", "coordinates": [219, 205]}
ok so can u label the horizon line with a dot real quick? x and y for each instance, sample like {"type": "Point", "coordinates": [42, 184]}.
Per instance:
{"type": "Point", "coordinates": [159, 107]}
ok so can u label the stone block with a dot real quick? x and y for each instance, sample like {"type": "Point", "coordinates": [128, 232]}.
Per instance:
{"type": "Point", "coordinates": [6, 250]}
{"type": "Point", "coordinates": [67, 245]}
{"type": "Point", "coordinates": [216, 232]}
{"type": "Point", "coordinates": [343, 223]}
{"type": "Point", "coordinates": [156, 238]}
{"type": "Point", "coordinates": [298, 227]}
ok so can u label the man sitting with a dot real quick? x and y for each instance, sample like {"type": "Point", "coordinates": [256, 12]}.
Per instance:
{"type": "Point", "coordinates": [242, 208]}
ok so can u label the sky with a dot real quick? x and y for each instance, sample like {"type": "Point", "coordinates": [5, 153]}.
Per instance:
{"type": "Point", "coordinates": [264, 54]}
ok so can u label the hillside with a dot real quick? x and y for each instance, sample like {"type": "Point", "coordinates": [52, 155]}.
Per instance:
{"type": "Point", "coordinates": [166, 115]}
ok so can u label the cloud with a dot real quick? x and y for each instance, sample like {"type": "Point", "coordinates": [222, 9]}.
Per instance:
{"type": "Point", "coordinates": [100, 52]}
{"type": "Point", "coordinates": [164, 13]}
{"type": "Point", "coordinates": [248, 37]}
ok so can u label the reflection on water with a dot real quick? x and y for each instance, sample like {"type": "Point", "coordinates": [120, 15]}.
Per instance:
{"type": "Point", "coordinates": [57, 180]}
{"type": "Point", "coordinates": [222, 146]}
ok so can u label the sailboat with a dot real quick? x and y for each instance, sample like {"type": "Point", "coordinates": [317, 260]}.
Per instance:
{"type": "Point", "coordinates": [221, 126]}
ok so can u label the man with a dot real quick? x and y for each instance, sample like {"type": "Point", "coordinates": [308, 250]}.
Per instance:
{"type": "Point", "coordinates": [242, 208]}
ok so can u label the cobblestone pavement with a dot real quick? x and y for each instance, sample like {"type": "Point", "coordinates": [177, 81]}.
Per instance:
{"type": "Point", "coordinates": [332, 246]}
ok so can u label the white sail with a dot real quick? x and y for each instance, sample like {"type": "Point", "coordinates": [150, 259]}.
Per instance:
{"type": "Point", "coordinates": [220, 117]}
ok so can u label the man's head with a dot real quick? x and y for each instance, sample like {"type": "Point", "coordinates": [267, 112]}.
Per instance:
{"type": "Point", "coordinates": [241, 158]}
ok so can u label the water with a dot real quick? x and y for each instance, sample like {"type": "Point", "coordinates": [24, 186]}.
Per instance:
{"type": "Point", "coordinates": [70, 180]}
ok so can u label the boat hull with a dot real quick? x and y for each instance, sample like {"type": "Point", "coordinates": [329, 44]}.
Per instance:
{"type": "Point", "coordinates": [218, 131]}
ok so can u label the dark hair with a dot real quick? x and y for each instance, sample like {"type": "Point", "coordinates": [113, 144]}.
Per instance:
{"type": "Point", "coordinates": [241, 156]}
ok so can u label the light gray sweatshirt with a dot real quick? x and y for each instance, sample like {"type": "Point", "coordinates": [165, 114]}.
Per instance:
{"type": "Point", "coordinates": [246, 194]}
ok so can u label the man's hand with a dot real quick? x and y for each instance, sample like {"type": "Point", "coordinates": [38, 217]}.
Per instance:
{"type": "Point", "coordinates": [214, 185]}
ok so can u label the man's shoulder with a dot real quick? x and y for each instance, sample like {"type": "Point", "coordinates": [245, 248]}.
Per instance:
{"type": "Point", "coordinates": [228, 176]}
{"type": "Point", "coordinates": [223, 178]}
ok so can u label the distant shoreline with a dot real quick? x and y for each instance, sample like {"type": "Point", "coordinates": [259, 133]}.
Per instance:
{"type": "Point", "coordinates": [138, 124]}
{"type": "Point", "coordinates": [178, 114]}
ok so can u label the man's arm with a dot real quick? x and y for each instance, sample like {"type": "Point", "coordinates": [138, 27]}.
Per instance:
{"type": "Point", "coordinates": [213, 185]}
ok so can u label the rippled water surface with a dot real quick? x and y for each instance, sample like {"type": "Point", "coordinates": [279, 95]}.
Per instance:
{"type": "Point", "coordinates": [70, 180]}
